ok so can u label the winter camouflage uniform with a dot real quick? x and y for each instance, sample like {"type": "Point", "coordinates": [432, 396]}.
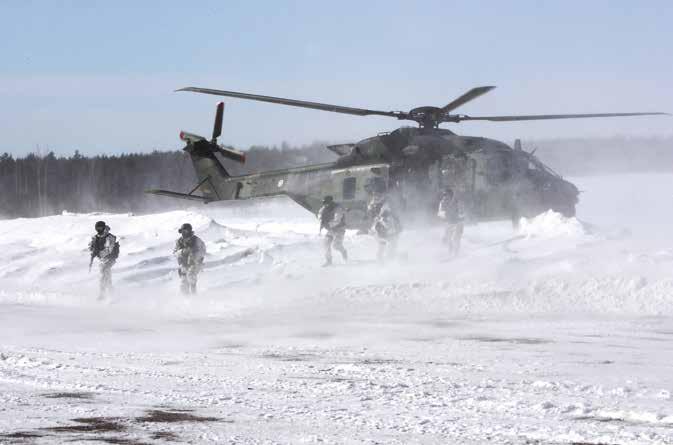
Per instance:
{"type": "Point", "coordinates": [102, 246]}
{"type": "Point", "coordinates": [190, 251]}
{"type": "Point", "coordinates": [451, 210]}
{"type": "Point", "coordinates": [333, 219]}
{"type": "Point", "coordinates": [386, 226]}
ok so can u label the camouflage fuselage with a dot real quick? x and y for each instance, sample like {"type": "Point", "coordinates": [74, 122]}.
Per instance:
{"type": "Point", "coordinates": [415, 164]}
{"type": "Point", "coordinates": [495, 180]}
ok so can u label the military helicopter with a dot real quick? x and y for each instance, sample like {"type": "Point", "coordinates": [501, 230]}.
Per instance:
{"type": "Point", "coordinates": [411, 165]}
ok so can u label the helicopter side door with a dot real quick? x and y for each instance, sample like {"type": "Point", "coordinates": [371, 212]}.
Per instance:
{"type": "Point", "coordinates": [491, 179]}
{"type": "Point", "coordinates": [349, 187]}
{"type": "Point", "coordinates": [459, 173]}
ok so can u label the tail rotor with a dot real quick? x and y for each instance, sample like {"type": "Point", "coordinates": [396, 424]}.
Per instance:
{"type": "Point", "coordinates": [217, 127]}
{"type": "Point", "coordinates": [196, 142]}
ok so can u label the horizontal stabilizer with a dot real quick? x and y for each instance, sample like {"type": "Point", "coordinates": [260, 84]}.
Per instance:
{"type": "Point", "coordinates": [341, 149]}
{"type": "Point", "coordinates": [231, 153]}
{"type": "Point", "coordinates": [191, 138]}
{"type": "Point", "coordinates": [177, 195]}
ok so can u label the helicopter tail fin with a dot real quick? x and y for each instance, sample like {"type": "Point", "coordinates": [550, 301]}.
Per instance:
{"type": "Point", "coordinates": [209, 171]}
{"type": "Point", "coordinates": [214, 180]}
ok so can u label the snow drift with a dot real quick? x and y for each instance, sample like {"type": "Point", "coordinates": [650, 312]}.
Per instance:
{"type": "Point", "coordinates": [556, 332]}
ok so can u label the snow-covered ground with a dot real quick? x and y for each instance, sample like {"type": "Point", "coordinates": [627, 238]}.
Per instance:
{"type": "Point", "coordinates": [563, 334]}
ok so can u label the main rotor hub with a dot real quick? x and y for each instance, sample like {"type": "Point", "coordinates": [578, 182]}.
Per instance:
{"type": "Point", "coordinates": [427, 116]}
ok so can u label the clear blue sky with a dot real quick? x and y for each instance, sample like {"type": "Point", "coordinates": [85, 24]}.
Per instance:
{"type": "Point", "coordinates": [99, 76]}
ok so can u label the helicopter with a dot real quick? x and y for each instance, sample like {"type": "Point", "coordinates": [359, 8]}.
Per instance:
{"type": "Point", "coordinates": [411, 165]}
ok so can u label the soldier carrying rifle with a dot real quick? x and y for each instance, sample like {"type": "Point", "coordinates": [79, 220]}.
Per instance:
{"type": "Point", "coordinates": [190, 252]}
{"type": "Point", "coordinates": [104, 246]}
{"type": "Point", "coordinates": [332, 219]}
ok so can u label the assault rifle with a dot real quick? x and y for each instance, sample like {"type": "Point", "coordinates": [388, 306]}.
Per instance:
{"type": "Point", "coordinates": [94, 253]}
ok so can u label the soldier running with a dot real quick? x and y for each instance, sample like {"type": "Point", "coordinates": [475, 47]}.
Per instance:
{"type": "Point", "coordinates": [190, 251]}
{"type": "Point", "coordinates": [451, 210]}
{"type": "Point", "coordinates": [332, 219]}
{"type": "Point", "coordinates": [386, 226]}
{"type": "Point", "coordinates": [104, 246]}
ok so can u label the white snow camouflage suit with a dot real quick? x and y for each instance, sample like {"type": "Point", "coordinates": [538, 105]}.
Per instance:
{"type": "Point", "coordinates": [101, 247]}
{"type": "Point", "coordinates": [333, 219]}
{"type": "Point", "coordinates": [190, 253]}
{"type": "Point", "coordinates": [386, 227]}
{"type": "Point", "coordinates": [451, 210]}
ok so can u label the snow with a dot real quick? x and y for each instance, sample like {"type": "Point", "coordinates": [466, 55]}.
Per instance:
{"type": "Point", "coordinates": [551, 224]}
{"type": "Point", "coordinates": [560, 332]}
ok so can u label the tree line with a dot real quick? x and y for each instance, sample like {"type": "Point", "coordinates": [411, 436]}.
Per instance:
{"type": "Point", "coordinates": [39, 185]}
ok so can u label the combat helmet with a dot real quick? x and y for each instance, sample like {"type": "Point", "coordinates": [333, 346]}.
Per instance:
{"type": "Point", "coordinates": [186, 228]}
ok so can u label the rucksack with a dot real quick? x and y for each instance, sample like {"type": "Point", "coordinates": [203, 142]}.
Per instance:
{"type": "Point", "coordinates": [115, 251]}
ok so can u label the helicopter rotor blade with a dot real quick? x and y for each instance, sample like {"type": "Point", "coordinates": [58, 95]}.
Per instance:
{"type": "Point", "coordinates": [536, 117]}
{"type": "Point", "coordinates": [219, 115]}
{"type": "Point", "coordinates": [296, 103]}
{"type": "Point", "coordinates": [470, 95]}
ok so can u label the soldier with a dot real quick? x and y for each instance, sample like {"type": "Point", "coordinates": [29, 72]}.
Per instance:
{"type": "Point", "coordinates": [451, 210]}
{"type": "Point", "coordinates": [190, 251]}
{"type": "Point", "coordinates": [386, 226]}
{"type": "Point", "coordinates": [104, 246]}
{"type": "Point", "coordinates": [332, 219]}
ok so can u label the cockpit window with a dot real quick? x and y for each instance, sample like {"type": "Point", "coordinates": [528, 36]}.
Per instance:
{"type": "Point", "coordinates": [535, 164]}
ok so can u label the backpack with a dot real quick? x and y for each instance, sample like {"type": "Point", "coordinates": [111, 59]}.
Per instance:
{"type": "Point", "coordinates": [115, 251]}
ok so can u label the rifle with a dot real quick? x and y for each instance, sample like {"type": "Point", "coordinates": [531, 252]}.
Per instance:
{"type": "Point", "coordinates": [94, 252]}
{"type": "Point", "coordinates": [184, 259]}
